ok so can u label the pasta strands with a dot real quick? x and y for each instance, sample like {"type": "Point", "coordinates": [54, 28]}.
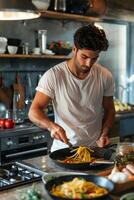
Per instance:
{"type": "Point", "coordinates": [82, 154]}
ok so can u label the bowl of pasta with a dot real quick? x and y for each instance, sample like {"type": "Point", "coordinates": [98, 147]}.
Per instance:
{"type": "Point", "coordinates": [78, 186]}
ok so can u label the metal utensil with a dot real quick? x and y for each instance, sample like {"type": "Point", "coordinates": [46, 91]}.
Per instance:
{"type": "Point", "coordinates": [70, 145]}
{"type": "Point", "coordinates": [103, 162]}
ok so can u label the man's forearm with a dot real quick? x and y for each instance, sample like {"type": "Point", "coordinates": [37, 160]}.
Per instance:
{"type": "Point", "coordinates": [40, 119]}
{"type": "Point", "coordinates": [108, 122]}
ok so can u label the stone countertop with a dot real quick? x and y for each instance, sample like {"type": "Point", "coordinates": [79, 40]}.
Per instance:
{"type": "Point", "coordinates": [44, 164]}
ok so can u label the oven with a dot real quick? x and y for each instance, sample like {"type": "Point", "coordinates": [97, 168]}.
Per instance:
{"type": "Point", "coordinates": [15, 146]}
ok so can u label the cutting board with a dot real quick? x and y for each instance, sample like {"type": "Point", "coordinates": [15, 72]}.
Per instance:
{"type": "Point", "coordinates": [19, 88]}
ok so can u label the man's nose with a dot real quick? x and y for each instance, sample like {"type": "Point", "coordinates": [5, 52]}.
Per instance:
{"type": "Point", "coordinates": [89, 62]}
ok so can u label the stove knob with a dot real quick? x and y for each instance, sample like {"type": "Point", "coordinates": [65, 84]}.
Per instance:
{"type": "Point", "coordinates": [9, 143]}
{"type": "Point", "coordinates": [36, 137]}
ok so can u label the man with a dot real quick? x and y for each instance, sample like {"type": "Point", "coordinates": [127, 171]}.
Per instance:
{"type": "Point", "coordinates": [81, 92]}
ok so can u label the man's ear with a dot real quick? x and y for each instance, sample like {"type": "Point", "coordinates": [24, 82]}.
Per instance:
{"type": "Point", "coordinates": [74, 49]}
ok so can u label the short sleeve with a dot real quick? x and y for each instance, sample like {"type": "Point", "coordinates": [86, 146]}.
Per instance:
{"type": "Point", "coordinates": [46, 84]}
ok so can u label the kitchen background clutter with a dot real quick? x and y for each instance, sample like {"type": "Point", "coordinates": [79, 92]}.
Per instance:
{"type": "Point", "coordinates": [35, 53]}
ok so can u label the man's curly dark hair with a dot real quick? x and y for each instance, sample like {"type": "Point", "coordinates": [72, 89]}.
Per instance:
{"type": "Point", "coordinates": [91, 37]}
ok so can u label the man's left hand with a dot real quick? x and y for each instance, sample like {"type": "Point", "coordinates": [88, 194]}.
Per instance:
{"type": "Point", "coordinates": [103, 141]}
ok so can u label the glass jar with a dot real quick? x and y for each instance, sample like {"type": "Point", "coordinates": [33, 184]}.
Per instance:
{"type": "Point", "coordinates": [125, 153]}
{"type": "Point", "coordinates": [42, 40]}
{"type": "Point", "coordinates": [60, 5]}
{"type": "Point", "coordinates": [26, 48]}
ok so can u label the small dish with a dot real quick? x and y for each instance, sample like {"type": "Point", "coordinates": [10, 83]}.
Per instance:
{"type": "Point", "coordinates": [12, 49]}
{"type": "Point", "coordinates": [49, 52]}
{"type": "Point", "coordinates": [128, 196]}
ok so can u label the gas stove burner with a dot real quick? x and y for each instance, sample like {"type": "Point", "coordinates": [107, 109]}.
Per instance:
{"type": "Point", "coordinates": [17, 174]}
{"type": "Point", "coordinates": [13, 171]}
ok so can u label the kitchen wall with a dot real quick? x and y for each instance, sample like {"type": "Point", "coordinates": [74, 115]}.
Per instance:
{"type": "Point", "coordinates": [115, 58]}
{"type": "Point", "coordinates": [131, 64]}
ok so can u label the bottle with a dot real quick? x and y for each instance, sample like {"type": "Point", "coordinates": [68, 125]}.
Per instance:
{"type": "Point", "coordinates": [18, 114]}
{"type": "Point", "coordinates": [26, 48]}
{"type": "Point", "coordinates": [60, 5]}
{"type": "Point", "coordinates": [42, 40]}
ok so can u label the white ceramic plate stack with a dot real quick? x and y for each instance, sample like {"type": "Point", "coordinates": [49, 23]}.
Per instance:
{"type": "Point", "coordinates": [3, 44]}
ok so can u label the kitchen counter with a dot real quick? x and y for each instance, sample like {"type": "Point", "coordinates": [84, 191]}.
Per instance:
{"type": "Point", "coordinates": [46, 165]}
{"type": "Point", "coordinates": [123, 115]}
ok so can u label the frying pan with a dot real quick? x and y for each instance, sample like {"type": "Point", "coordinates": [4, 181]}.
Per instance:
{"type": "Point", "coordinates": [61, 154]}
{"type": "Point", "coordinates": [98, 180]}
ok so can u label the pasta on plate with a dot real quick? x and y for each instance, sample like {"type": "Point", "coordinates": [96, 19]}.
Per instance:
{"type": "Point", "coordinates": [82, 154]}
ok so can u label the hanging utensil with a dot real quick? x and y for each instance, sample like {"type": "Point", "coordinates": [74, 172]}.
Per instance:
{"type": "Point", "coordinates": [19, 88]}
{"type": "Point", "coordinates": [6, 94]}
{"type": "Point", "coordinates": [30, 86]}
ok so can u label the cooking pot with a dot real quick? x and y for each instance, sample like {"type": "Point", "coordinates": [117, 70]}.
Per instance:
{"type": "Point", "coordinates": [98, 180]}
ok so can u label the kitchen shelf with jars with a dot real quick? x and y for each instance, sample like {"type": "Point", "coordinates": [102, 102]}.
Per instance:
{"type": "Point", "coordinates": [56, 50]}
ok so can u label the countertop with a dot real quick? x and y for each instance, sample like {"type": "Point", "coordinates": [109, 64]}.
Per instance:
{"type": "Point", "coordinates": [44, 164]}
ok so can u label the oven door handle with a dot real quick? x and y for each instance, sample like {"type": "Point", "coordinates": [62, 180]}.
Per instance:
{"type": "Point", "coordinates": [25, 152]}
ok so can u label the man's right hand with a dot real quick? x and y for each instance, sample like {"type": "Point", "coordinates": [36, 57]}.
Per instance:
{"type": "Point", "coordinates": [59, 133]}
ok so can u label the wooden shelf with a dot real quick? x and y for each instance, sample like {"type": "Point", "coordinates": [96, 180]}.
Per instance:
{"type": "Point", "coordinates": [68, 16]}
{"type": "Point", "coordinates": [34, 56]}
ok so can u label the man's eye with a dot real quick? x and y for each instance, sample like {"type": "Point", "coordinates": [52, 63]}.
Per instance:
{"type": "Point", "coordinates": [94, 59]}
{"type": "Point", "coordinates": [83, 57]}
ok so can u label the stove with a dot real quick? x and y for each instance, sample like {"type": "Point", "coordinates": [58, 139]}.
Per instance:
{"type": "Point", "coordinates": [16, 174]}
{"type": "Point", "coordinates": [15, 146]}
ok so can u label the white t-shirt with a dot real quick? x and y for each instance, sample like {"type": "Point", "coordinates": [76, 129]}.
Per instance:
{"type": "Point", "coordinates": [77, 103]}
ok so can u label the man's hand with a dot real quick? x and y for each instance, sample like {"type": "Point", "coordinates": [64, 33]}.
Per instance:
{"type": "Point", "coordinates": [103, 141]}
{"type": "Point", "coordinates": [59, 133]}
{"type": "Point", "coordinates": [129, 169]}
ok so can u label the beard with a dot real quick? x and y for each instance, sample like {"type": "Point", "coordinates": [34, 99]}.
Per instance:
{"type": "Point", "coordinates": [82, 68]}
{"type": "Point", "coordinates": [85, 69]}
